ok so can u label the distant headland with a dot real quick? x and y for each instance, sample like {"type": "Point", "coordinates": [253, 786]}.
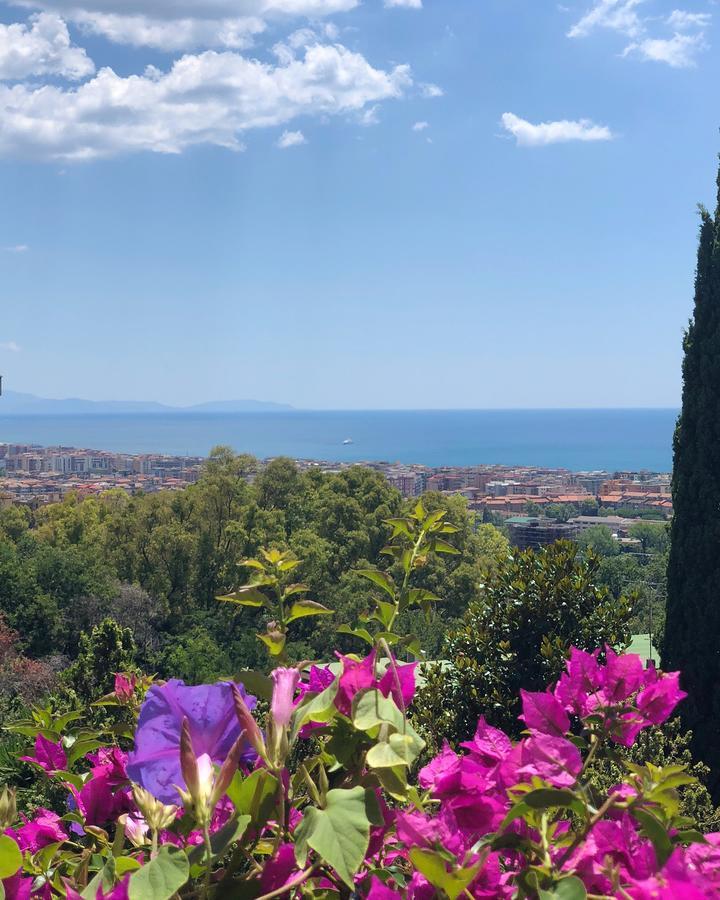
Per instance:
{"type": "Point", "coordinates": [16, 403]}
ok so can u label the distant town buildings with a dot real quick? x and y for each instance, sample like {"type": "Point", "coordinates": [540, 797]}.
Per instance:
{"type": "Point", "coordinates": [35, 475]}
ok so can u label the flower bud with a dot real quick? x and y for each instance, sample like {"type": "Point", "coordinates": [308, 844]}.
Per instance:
{"type": "Point", "coordinates": [227, 771]}
{"type": "Point", "coordinates": [285, 682]}
{"type": "Point", "coordinates": [157, 814]}
{"type": "Point", "coordinates": [248, 724]}
{"type": "Point", "coordinates": [8, 808]}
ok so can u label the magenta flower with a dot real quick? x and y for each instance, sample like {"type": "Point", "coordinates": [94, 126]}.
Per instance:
{"type": "Point", "coordinates": [43, 829]}
{"type": "Point", "coordinates": [210, 710]}
{"type": "Point", "coordinates": [398, 681]}
{"type": "Point", "coordinates": [100, 800]}
{"type": "Point", "coordinates": [18, 887]}
{"type": "Point", "coordinates": [279, 870]}
{"type": "Point", "coordinates": [48, 755]}
{"type": "Point", "coordinates": [491, 744]}
{"type": "Point", "coordinates": [544, 714]}
{"type": "Point", "coordinates": [125, 686]}
{"type": "Point", "coordinates": [380, 891]}
{"type": "Point", "coordinates": [285, 682]}
{"type": "Point", "coordinates": [657, 701]}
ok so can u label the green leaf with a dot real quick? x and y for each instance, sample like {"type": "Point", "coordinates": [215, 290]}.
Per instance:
{"type": "Point", "coordinates": [370, 709]}
{"type": "Point", "coordinates": [10, 856]}
{"type": "Point", "coordinates": [125, 864]}
{"type": "Point", "coordinates": [255, 795]}
{"type": "Point", "coordinates": [256, 683]}
{"type": "Point", "coordinates": [303, 608]}
{"type": "Point", "coordinates": [104, 879]}
{"type": "Point", "coordinates": [339, 834]}
{"type": "Point", "coordinates": [441, 546]}
{"type": "Point", "coordinates": [317, 708]}
{"type": "Point", "coordinates": [416, 596]}
{"type": "Point", "coordinates": [432, 866]}
{"type": "Point", "coordinates": [380, 579]}
{"type": "Point", "coordinates": [653, 829]}
{"type": "Point", "coordinates": [399, 750]}
{"type": "Point", "coordinates": [246, 596]}
{"type": "Point", "coordinates": [231, 832]}
{"type": "Point", "coordinates": [275, 642]}
{"type": "Point", "coordinates": [567, 889]}
{"type": "Point", "coordinates": [162, 877]}
{"type": "Point", "coordinates": [548, 798]}
{"type": "Point", "coordinates": [361, 633]}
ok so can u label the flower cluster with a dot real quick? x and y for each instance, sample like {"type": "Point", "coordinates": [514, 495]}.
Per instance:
{"type": "Point", "coordinates": [208, 802]}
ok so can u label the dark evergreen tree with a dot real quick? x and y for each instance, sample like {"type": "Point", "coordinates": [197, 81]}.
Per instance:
{"type": "Point", "coordinates": [692, 631]}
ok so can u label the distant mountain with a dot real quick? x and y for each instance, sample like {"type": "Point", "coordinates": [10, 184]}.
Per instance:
{"type": "Point", "coordinates": [15, 403]}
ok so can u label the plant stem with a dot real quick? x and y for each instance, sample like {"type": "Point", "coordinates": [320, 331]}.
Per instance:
{"type": "Point", "coordinates": [290, 885]}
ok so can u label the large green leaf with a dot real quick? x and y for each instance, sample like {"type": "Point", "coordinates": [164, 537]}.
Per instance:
{"type": "Point", "coordinates": [161, 877]}
{"type": "Point", "coordinates": [380, 579]}
{"type": "Point", "coordinates": [255, 795]}
{"type": "Point", "coordinates": [398, 750]}
{"type": "Point", "coordinates": [10, 856]}
{"type": "Point", "coordinates": [361, 633]}
{"type": "Point", "coordinates": [303, 608]}
{"type": "Point", "coordinates": [246, 596]}
{"type": "Point", "coordinates": [231, 832]}
{"type": "Point", "coordinates": [432, 866]}
{"type": "Point", "coordinates": [340, 833]}
{"type": "Point", "coordinates": [370, 709]}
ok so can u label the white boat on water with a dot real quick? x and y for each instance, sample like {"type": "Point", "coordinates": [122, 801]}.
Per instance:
{"type": "Point", "coordinates": [348, 441]}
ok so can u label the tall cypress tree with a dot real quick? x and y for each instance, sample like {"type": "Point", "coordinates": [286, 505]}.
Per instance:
{"type": "Point", "coordinates": [692, 630]}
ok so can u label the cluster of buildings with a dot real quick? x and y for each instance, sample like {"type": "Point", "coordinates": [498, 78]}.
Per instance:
{"type": "Point", "coordinates": [35, 475]}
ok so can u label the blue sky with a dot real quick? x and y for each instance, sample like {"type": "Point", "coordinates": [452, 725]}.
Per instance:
{"type": "Point", "coordinates": [336, 204]}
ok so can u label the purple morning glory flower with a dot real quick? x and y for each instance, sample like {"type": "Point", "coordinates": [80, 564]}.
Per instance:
{"type": "Point", "coordinates": [155, 761]}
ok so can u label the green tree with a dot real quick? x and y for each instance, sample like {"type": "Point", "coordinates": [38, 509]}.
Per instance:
{"type": "Point", "coordinates": [692, 632]}
{"type": "Point", "coordinates": [600, 540]}
{"type": "Point", "coordinates": [106, 650]}
{"type": "Point", "coordinates": [517, 633]}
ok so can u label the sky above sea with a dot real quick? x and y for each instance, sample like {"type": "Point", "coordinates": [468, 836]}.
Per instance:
{"type": "Point", "coordinates": [353, 203]}
{"type": "Point", "coordinates": [572, 439]}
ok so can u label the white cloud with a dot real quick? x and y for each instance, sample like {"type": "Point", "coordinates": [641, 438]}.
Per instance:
{"type": "Point", "coordinates": [10, 346]}
{"type": "Point", "coordinates": [429, 90]}
{"type": "Point", "coordinates": [209, 98]}
{"type": "Point", "coordinates": [173, 34]}
{"type": "Point", "coordinates": [369, 117]}
{"type": "Point", "coordinates": [291, 139]}
{"type": "Point", "coordinates": [420, 126]}
{"type": "Point", "coordinates": [408, 4]}
{"type": "Point", "coordinates": [528, 135]}
{"type": "Point", "coordinates": [679, 51]}
{"type": "Point", "coordinates": [617, 15]}
{"type": "Point", "coordinates": [184, 24]}
{"type": "Point", "coordinates": [682, 20]}
{"type": "Point", "coordinates": [17, 248]}
{"type": "Point", "coordinates": [42, 47]}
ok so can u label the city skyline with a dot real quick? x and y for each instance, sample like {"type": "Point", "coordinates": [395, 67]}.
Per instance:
{"type": "Point", "coordinates": [345, 205]}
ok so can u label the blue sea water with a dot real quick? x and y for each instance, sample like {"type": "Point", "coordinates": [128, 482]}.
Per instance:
{"type": "Point", "coordinates": [579, 439]}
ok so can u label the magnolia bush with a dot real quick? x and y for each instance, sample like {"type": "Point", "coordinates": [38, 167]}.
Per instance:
{"type": "Point", "coordinates": [187, 794]}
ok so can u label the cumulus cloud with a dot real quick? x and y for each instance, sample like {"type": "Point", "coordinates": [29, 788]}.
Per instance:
{"type": "Point", "coordinates": [420, 126]}
{"type": "Point", "coordinates": [682, 20]}
{"type": "Point", "coordinates": [624, 16]}
{"type": "Point", "coordinates": [10, 346]}
{"type": "Point", "coordinates": [679, 51]}
{"type": "Point", "coordinates": [408, 4]}
{"type": "Point", "coordinates": [41, 47]}
{"type": "Point", "coordinates": [527, 134]}
{"type": "Point", "coordinates": [618, 15]}
{"type": "Point", "coordinates": [208, 98]}
{"type": "Point", "coordinates": [291, 139]}
{"type": "Point", "coordinates": [184, 24]}
{"type": "Point", "coordinates": [429, 91]}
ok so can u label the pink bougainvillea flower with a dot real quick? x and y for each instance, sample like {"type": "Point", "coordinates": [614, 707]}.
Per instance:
{"type": "Point", "coordinates": [285, 681]}
{"type": "Point", "coordinates": [125, 686]}
{"type": "Point", "coordinates": [278, 870]}
{"type": "Point", "coordinates": [398, 681]}
{"type": "Point", "coordinates": [578, 686]}
{"type": "Point", "coordinates": [554, 759]}
{"type": "Point", "coordinates": [49, 756]}
{"type": "Point", "coordinates": [210, 710]}
{"type": "Point", "coordinates": [44, 828]}
{"type": "Point", "coordinates": [119, 892]}
{"type": "Point", "coordinates": [623, 675]}
{"type": "Point", "coordinates": [380, 891]}
{"type": "Point", "coordinates": [100, 800]}
{"type": "Point", "coordinates": [18, 887]}
{"type": "Point", "coordinates": [319, 677]}
{"type": "Point", "coordinates": [543, 713]}
{"type": "Point", "coordinates": [491, 744]}
{"type": "Point", "coordinates": [657, 701]}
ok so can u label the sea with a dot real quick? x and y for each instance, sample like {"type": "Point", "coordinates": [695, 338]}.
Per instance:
{"type": "Point", "coordinates": [576, 439]}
